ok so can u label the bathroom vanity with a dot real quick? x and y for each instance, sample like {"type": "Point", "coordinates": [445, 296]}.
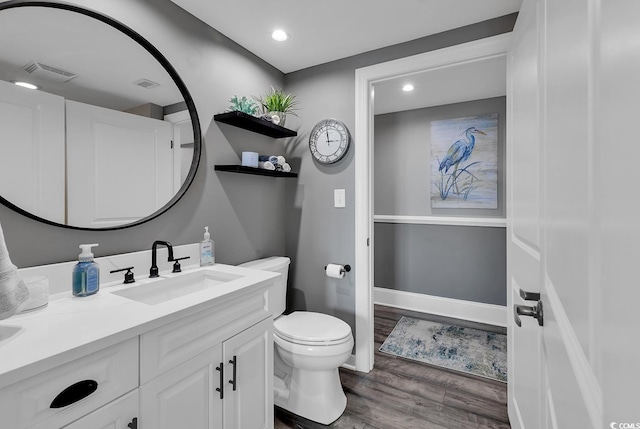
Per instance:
{"type": "Point", "coordinates": [187, 350]}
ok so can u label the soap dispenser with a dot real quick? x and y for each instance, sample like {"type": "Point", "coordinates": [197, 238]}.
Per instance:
{"type": "Point", "coordinates": [207, 249]}
{"type": "Point", "coordinates": [86, 273]}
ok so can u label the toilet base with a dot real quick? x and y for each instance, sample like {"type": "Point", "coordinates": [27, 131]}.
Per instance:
{"type": "Point", "coordinates": [314, 395]}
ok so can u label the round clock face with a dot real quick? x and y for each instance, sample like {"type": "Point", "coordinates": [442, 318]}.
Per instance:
{"type": "Point", "coordinates": [329, 141]}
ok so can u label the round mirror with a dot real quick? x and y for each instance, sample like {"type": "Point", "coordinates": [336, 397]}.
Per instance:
{"type": "Point", "coordinates": [109, 137]}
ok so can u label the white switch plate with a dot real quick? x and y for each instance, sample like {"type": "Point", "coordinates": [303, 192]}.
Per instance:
{"type": "Point", "coordinates": [339, 198]}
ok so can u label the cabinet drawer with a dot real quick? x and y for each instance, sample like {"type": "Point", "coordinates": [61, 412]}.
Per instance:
{"type": "Point", "coordinates": [96, 379]}
{"type": "Point", "coordinates": [119, 414]}
{"type": "Point", "coordinates": [166, 347]}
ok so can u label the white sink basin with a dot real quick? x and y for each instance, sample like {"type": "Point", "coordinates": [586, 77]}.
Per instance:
{"type": "Point", "coordinates": [166, 289]}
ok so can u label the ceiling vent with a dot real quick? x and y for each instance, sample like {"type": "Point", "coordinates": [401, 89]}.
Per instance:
{"type": "Point", "coordinates": [146, 83]}
{"type": "Point", "coordinates": [49, 73]}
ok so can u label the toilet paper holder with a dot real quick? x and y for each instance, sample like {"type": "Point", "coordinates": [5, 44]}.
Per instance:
{"type": "Point", "coordinates": [345, 269]}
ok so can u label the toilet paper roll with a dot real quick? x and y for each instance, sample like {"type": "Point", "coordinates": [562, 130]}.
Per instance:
{"type": "Point", "coordinates": [334, 270]}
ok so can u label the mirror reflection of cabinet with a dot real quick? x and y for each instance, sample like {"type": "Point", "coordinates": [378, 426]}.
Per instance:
{"type": "Point", "coordinates": [32, 151]}
{"type": "Point", "coordinates": [79, 164]}
{"type": "Point", "coordinates": [74, 54]}
{"type": "Point", "coordinates": [119, 166]}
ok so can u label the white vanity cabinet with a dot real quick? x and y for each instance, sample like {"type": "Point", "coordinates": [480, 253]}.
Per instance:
{"type": "Point", "coordinates": [210, 370]}
{"type": "Point", "coordinates": [202, 360]}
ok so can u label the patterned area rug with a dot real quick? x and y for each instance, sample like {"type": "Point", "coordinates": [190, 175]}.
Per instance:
{"type": "Point", "coordinates": [462, 349]}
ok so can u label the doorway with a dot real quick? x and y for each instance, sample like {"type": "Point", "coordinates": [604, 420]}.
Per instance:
{"type": "Point", "coordinates": [366, 79]}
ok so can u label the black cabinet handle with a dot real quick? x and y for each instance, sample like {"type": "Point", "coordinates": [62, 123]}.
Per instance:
{"type": "Point", "coordinates": [221, 388]}
{"type": "Point", "coordinates": [233, 381]}
{"type": "Point", "coordinates": [74, 393]}
{"type": "Point", "coordinates": [133, 424]}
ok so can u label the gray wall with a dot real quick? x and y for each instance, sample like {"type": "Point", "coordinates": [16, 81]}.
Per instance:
{"type": "Point", "coordinates": [317, 233]}
{"type": "Point", "coordinates": [460, 262]}
{"type": "Point", "coordinates": [245, 213]}
{"type": "Point", "coordinates": [402, 155]}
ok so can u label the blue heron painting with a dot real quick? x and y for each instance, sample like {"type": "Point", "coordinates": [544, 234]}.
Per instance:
{"type": "Point", "coordinates": [464, 162]}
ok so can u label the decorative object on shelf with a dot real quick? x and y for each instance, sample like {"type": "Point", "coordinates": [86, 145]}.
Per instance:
{"type": "Point", "coordinates": [274, 162]}
{"type": "Point", "coordinates": [254, 171]}
{"type": "Point", "coordinates": [250, 159]}
{"type": "Point", "coordinates": [464, 162]}
{"type": "Point", "coordinates": [329, 141]}
{"type": "Point", "coordinates": [244, 105]}
{"type": "Point", "coordinates": [276, 105]}
{"type": "Point", "coordinates": [254, 124]}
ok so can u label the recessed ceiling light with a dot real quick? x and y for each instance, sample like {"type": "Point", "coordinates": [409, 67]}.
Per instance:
{"type": "Point", "coordinates": [408, 87]}
{"type": "Point", "coordinates": [279, 35]}
{"type": "Point", "coordinates": [25, 84]}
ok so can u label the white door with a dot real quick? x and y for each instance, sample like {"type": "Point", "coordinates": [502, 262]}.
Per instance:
{"type": "Point", "coordinates": [573, 234]}
{"type": "Point", "coordinates": [248, 357]}
{"type": "Point", "coordinates": [32, 151]}
{"type": "Point", "coordinates": [523, 214]}
{"type": "Point", "coordinates": [119, 166]}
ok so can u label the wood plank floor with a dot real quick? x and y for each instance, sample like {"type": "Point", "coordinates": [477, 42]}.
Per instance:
{"type": "Point", "coordinates": [403, 394]}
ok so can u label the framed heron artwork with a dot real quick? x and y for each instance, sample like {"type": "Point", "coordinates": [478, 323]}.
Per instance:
{"type": "Point", "coordinates": [464, 162]}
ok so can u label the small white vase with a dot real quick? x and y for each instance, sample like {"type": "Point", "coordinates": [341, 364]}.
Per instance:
{"type": "Point", "coordinates": [278, 118]}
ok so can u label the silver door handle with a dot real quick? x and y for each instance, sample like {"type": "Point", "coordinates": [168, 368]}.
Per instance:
{"type": "Point", "coordinates": [526, 310]}
{"type": "Point", "coordinates": [529, 296]}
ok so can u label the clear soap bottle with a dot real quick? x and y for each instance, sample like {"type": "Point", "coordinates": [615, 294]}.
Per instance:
{"type": "Point", "coordinates": [207, 249]}
{"type": "Point", "coordinates": [86, 273]}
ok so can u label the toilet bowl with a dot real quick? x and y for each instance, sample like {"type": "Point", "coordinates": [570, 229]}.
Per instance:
{"type": "Point", "coordinates": [308, 349]}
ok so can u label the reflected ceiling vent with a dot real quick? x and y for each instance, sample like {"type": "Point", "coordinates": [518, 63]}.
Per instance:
{"type": "Point", "coordinates": [49, 73]}
{"type": "Point", "coordinates": [146, 83]}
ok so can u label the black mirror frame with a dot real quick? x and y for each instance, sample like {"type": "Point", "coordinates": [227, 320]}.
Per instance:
{"type": "Point", "coordinates": [197, 135]}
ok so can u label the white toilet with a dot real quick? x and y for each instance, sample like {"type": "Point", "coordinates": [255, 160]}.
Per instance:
{"type": "Point", "coordinates": [308, 349]}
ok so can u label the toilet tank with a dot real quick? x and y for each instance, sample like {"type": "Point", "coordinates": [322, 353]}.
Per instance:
{"type": "Point", "coordinates": [278, 292]}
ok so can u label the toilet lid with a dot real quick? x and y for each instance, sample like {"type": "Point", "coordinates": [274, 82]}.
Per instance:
{"type": "Point", "coordinates": [305, 327]}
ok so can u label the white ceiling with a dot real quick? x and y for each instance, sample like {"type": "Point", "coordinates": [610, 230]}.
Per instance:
{"type": "Point", "coordinates": [463, 82]}
{"type": "Point", "coordinates": [53, 40]}
{"type": "Point", "coordinates": [328, 30]}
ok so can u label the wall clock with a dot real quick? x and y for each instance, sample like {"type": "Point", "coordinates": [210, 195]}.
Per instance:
{"type": "Point", "coordinates": [329, 141]}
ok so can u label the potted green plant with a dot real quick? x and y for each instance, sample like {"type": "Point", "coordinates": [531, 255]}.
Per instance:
{"type": "Point", "coordinates": [277, 105]}
{"type": "Point", "coordinates": [244, 105]}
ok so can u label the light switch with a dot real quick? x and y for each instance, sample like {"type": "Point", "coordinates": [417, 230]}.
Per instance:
{"type": "Point", "coordinates": [339, 198]}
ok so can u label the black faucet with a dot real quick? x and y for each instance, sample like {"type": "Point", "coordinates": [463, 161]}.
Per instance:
{"type": "Point", "coordinates": [153, 271]}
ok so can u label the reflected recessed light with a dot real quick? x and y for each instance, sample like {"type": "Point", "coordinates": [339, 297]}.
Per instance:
{"type": "Point", "coordinates": [25, 85]}
{"type": "Point", "coordinates": [279, 35]}
{"type": "Point", "coordinates": [408, 87]}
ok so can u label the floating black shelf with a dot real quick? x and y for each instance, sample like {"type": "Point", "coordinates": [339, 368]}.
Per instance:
{"type": "Point", "coordinates": [257, 125]}
{"type": "Point", "coordinates": [251, 170]}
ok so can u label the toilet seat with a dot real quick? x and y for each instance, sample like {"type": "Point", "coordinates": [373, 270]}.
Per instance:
{"type": "Point", "coordinates": [312, 329]}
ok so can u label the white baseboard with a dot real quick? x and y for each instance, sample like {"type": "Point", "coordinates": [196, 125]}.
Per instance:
{"type": "Point", "coordinates": [350, 363]}
{"type": "Point", "coordinates": [467, 310]}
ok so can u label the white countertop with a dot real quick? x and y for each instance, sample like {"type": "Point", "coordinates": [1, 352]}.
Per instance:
{"type": "Point", "coordinates": [71, 327]}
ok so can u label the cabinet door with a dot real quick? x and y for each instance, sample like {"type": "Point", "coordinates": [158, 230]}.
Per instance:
{"type": "Point", "coordinates": [186, 396]}
{"type": "Point", "coordinates": [248, 402]}
{"type": "Point", "coordinates": [119, 165]}
{"type": "Point", "coordinates": [119, 414]}
{"type": "Point", "coordinates": [32, 146]}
